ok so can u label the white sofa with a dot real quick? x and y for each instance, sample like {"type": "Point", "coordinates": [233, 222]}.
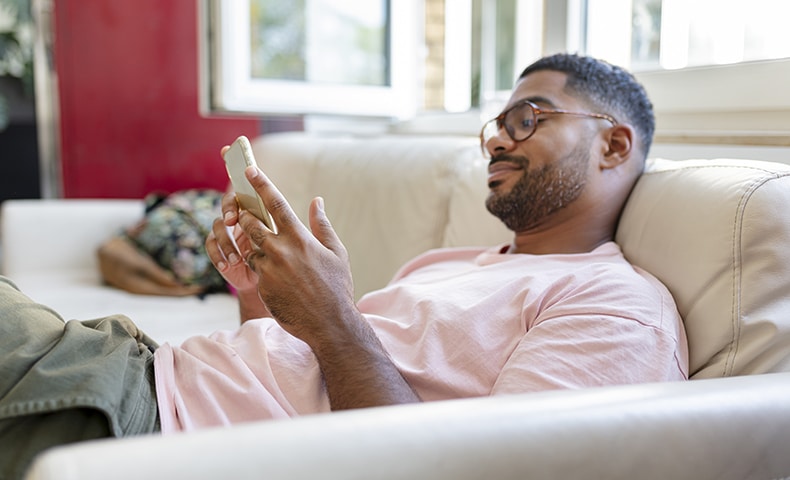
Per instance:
{"type": "Point", "coordinates": [716, 232]}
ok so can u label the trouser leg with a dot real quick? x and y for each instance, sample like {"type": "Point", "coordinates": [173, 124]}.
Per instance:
{"type": "Point", "coordinates": [66, 382]}
{"type": "Point", "coordinates": [22, 438]}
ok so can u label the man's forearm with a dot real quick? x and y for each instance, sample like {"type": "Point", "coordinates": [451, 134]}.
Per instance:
{"type": "Point", "coordinates": [358, 372]}
{"type": "Point", "coordinates": [309, 291]}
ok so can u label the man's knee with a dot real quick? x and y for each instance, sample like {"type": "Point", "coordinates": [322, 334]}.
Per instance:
{"type": "Point", "coordinates": [19, 313]}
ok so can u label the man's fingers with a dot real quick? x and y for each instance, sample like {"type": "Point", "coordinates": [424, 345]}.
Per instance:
{"type": "Point", "coordinates": [322, 228]}
{"type": "Point", "coordinates": [214, 253]}
{"type": "Point", "coordinates": [230, 208]}
{"type": "Point", "coordinates": [220, 247]}
{"type": "Point", "coordinates": [256, 231]}
{"type": "Point", "coordinates": [282, 213]}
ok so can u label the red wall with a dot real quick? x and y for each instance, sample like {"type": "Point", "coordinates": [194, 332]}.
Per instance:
{"type": "Point", "coordinates": [128, 86]}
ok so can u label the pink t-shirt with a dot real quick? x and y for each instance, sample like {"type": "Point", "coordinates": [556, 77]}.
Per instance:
{"type": "Point", "coordinates": [458, 323]}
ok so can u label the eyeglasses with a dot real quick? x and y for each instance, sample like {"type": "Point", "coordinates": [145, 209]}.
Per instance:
{"type": "Point", "coordinates": [521, 121]}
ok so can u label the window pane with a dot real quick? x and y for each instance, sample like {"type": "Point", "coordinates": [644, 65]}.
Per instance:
{"type": "Point", "coordinates": [505, 43]}
{"type": "Point", "coordinates": [320, 41]}
{"type": "Point", "coordinates": [506, 37]}
{"type": "Point", "coordinates": [277, 39]}
{"type": "Point", "coordinates": [646, 37]}
{"type": "Point", "coordinates": [672, 34]}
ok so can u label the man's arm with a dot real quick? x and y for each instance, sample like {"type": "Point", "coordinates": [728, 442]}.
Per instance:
{"type": "Point", "coordinates": [357, 370]}
{"type": "Point", "coordinates": [304, 279]}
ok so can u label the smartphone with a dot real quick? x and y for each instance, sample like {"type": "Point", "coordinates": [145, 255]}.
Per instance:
{"type": "Point", "coordinates": [237, 158]}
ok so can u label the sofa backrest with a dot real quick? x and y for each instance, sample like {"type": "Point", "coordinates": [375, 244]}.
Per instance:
{"type": "Point", "coordinates": [717, 233]}
{"type": "Point", "coordinates": [389, 198]}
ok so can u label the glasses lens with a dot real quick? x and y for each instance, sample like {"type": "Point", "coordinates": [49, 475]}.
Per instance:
{"type": "Point", "coordinates": [520, 122]}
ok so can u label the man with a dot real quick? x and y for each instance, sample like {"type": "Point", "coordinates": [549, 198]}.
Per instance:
{"type": "Point", "coordinates": [558, 307]}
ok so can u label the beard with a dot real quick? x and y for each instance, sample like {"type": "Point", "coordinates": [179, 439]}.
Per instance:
{"type": "Point", "coordinates": [541, 192]}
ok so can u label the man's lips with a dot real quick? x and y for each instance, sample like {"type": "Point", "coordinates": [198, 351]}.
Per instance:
{"type": "Point", "coordinates": [497, 171]}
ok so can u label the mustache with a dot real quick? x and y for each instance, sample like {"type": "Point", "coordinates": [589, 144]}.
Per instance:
{"type": "Point", "coordinates": [506, 157]}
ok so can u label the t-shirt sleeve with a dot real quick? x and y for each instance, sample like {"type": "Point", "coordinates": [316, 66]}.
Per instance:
{"type": "Point", "coordinates": [590, 336]}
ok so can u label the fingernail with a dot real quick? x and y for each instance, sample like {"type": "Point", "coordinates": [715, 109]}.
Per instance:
{"type": "Point", "coordinates": [221, 266]}
{"type": "Point", "coordinates": [229, 216]}
{"type": "Point", "coordinates": [233, 258]}
{"type": "Point", "coordinates": [321, 203]}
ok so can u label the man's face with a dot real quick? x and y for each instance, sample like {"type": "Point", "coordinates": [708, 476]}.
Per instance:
{"type": "Point", "coordinates": [530, 181]}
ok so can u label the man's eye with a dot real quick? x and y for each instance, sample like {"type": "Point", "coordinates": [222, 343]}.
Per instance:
{"type": "Point", "coordinates": [528, 122]}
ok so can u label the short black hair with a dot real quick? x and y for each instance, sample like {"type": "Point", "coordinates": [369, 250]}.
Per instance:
{"type": "Point", "coordinates": [607, 87]}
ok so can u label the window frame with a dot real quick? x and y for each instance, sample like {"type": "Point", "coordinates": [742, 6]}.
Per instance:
{"type": "Point", "coordinates": [229, 87]}
{"type": "Point", "coordinates": [712, 105]}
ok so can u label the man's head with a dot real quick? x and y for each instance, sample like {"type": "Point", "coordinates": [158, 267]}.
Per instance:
{"type": "Point", "coordinates": [605, 88]}
{"type": "Point", "coordinates": [568, 147]}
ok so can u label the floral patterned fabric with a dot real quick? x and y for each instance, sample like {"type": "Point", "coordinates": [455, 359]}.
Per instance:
{"type": "Point", "coordinates": [174, 232]}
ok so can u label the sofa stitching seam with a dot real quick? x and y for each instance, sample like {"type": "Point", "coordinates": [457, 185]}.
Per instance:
{"type": "Point", "coordinates": [737, 270]}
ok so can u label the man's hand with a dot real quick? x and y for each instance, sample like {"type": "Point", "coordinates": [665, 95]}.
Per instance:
{"type": "Point", "coordinates": [304, 275]}
{"type": "Point", "coordinates": [304, 279]}
{"type": "Point", "coordinates": [223, 245]}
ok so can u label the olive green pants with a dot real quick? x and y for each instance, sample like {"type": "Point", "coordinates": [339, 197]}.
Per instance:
{"type": "Point", "coordinates": [64, 382]}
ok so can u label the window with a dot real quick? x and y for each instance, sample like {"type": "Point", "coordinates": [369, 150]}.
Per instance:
{"type": "Point", "coordinates": [337, 57]}
{"type": "Point", "coordinates": [716, 70]}
{"type": "Point", "coordinates": [511, 33]}
{"type": "Point", "coordinates": [475, 51]}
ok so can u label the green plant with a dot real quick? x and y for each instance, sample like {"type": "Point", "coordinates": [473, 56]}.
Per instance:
{"type": "Point", "coordinates": [16, 47]}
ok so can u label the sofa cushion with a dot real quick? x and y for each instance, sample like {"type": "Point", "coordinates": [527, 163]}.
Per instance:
{"type": "Point", "coordinates": [49, 251]}
{"type": "Point", "coordinates": [717, 234]}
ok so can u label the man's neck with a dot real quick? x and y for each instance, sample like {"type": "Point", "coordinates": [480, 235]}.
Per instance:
{"type": "Point", "coordinates": [560, 239]}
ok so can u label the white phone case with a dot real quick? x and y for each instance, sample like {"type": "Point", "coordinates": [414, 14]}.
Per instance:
{"type": "Point", "coordinates": [237, 159]}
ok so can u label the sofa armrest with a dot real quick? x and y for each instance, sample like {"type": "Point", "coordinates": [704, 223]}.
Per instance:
{"type": "Point", "coordinates": [57, 235]}
{"type": "Point", "coordinates": [735, 428]}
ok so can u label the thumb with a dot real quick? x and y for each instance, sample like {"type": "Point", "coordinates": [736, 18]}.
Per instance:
{"type": "Point", "coordinates": [322, 228]}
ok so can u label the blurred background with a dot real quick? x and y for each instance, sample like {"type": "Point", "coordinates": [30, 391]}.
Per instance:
{"type": "Point", "coordinates": [111, 98]}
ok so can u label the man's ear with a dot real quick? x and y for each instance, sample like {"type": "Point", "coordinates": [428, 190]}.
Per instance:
{"type": "Point", "coordinates": [620, 140]}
